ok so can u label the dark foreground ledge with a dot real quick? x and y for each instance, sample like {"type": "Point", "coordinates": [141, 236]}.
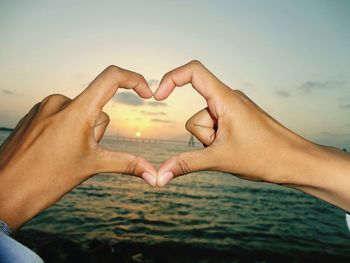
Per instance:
{"type": "Point", "coordinates": [53, 248]}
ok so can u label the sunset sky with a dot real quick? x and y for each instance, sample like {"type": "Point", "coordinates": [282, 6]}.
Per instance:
{"type": "Point", "coordinates": [291, 57]}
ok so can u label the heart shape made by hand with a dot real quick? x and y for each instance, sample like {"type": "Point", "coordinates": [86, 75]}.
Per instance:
{"type": "Point", "coordinates": [56, 145]}
{"type": "Point", "coordinates": [228, 112]}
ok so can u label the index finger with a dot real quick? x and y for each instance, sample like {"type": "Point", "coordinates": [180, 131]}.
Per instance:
{"type": "Point", "coordinates": [105, 85]}
{"type": "Point", "coordinates": [202, 80]}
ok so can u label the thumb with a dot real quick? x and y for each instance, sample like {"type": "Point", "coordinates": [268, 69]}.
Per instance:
{"type": "Point", "coordinates": [119, 162]}
{"type": "Point", "coordinates": [184, 163]}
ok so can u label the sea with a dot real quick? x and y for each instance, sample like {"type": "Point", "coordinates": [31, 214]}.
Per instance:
{"type": "Point", "coordinates": [200, 217]}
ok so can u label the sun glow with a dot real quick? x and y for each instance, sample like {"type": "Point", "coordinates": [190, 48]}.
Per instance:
{"type": "Point", "coordinates": [138, 134]}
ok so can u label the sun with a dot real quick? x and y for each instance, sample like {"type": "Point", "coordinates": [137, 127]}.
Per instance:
{"type": "Point", "coordinates": [138, 134]}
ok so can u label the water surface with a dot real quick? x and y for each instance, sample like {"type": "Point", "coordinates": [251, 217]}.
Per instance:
{"type": "Point", "coordinates": [206, 210]}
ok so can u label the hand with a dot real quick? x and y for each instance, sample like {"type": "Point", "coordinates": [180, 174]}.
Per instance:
{"type": "Point", "coordinates": [55, 147]}
{"type": "Point", "coordinates": [244, 140]}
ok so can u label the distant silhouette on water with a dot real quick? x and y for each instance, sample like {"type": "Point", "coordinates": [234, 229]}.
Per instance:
{"type": "Point", "coordinates": [191, 142]}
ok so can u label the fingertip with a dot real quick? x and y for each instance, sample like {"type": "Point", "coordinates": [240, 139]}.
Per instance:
{"type": "Point", "coordinates": [149, 95]}
{"type": "Point", "coordinates": [162, 92]}
{"type": "Point", "coordinates": [150, 179]}
{"type": "Point", "coordinates": [144, 91]}
{"type": "Point", "coordinates": [156, 94]}
{"type": "Point", "coordinates": [148, 90]}
{"type": "Point", "coordinates": [157, 97]}
{"type": "Point", "coordinates": [160, 97]}
{"type": "Point", "coordinates": [164, 179]}
{"type": "Point", "coordinates": [150, 173]}
{"type": "Point", "coordinates": [168, 165]}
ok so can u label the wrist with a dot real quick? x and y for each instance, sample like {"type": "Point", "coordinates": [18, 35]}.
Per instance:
{"type": "Point", "coordinates": [16, 207]}
{"type": "Point", "coordinates": [22, 199]}
{"type": "Point", "coordinates": [321, 171]}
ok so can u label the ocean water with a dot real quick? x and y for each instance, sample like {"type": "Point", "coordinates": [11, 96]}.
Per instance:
{"type": "Point", "coordinates": [206, 210]}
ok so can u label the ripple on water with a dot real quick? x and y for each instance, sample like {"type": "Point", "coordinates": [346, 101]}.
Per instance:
{"type": "Point", "coordinates": [204, 209]}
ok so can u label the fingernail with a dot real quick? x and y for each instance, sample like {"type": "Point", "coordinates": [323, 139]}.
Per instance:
{"type": "Point", "coordinates": [165, 178]}
{"type": "Point", "coordinates": [149, 178]}
{"type": "Point", "coordinates": [155, 93]}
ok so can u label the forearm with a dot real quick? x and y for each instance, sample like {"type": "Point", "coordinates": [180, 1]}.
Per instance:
{"type": "Point", "coordinates": [20, 200]}
{"type": "Point", "coordinates": [321, 171]}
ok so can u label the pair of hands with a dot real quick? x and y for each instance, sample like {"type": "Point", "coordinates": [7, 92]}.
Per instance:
{"type": "Point", "coordinates": [55, 147]}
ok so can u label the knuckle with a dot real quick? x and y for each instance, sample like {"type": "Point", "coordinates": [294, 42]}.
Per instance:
{"type": "Point", "coordinates": [131, 165]}
{"type": "Point", "coordinates": [107, 118]}
{"type": "Point", "coordinates": [47, 99]}
{"type": "Point", "coordinates": [112, 69]}
{"type": "Point", "coordinates": [35, 107]}
{"type": "Point", "coordinates": [167, 75]}
{"type": "Point", "coordinates": [239, 93]}
{"type": "Point", "coordinates": [189, 125]}
{"type": "Point", "coordinates": [140, 79]}
{"type": "Point", "coordinates": [104, 119]}
{"type": "Point", "coordinates": [183, 164]}
{"type": "Point", "coordinates": [103, 116]}
{"type": "Point", "coordinates": [54, 98]}
{"type": "Point", "coordinates": [195, 63]}
{"type": "Point", "coordinates": [139, 76]}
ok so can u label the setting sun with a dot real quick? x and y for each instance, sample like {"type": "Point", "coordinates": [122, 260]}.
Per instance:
{"type": "Point", "coordinates": [138, 134]}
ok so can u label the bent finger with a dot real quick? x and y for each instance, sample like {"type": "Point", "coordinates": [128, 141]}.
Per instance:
{"type": "Point", "coordinates": [52, 104]}
{"type": "Point", "coordinates": [21, 127]}
{"type": "Point", "coordinates": [105, 85]}
{"type": "Point", "coordinates": [203, 126]}
{"type": "Point", "coordinates": [202, 80]}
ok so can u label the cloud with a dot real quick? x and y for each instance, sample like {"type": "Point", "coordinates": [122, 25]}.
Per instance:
{"type": "Point", "coordinates": [283, 93]}
{"type": "Point", "coordinates": [128, 98]}
{"type": "Point", "coordinates": [6, 91]}
{"type": "Point", "coordinates": [133, 99]}
{"type": "Point", "coordinates": [344, 99]}
{"type": "Point", "coordinates": [157, 104]}
{"type": "Point", "coordinates": [152, 113]}
{"type": "Point", "coordinates": [248, 85]}
{"type": "Point", "coordinates": [345, 106]}
{"type": "Point", "coordinates": [153, 82]}
{"type": "Point", "coordinates": [309, 86]}
{"type": "Point", "coordinates": [162, 121]}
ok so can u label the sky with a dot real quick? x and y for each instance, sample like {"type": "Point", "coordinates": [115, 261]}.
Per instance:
{"type": "Point", "coordinates": [291, 57]}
